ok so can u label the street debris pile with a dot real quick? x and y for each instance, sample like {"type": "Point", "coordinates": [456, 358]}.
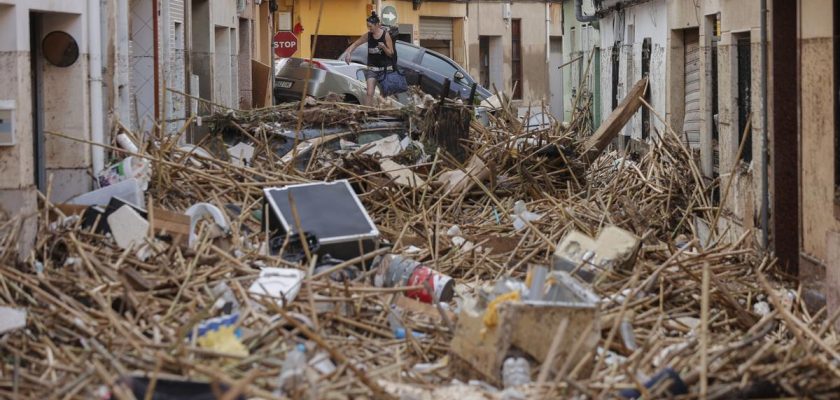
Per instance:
{"type": "Point", "coordinates": [380, 261]}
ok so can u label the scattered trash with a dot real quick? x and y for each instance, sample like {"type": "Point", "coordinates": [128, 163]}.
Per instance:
{"type": "Point", "coordinates": [627, 334]}
{"type": "Point", "coordinates": [131, 167]}
{"type": "Point", "coordinates": [457, 182]}
{"type": "Point", "coordinates": [129, 190]}
{"type": "Point", "coordinates": [11, 319]}
{"type": "Point", "coordinates": [241, 154]}
{"type": "Point", "coordinates": [385, 148]}
{"type": "Point", "coordinates": [676, 386]}
{"type": "Point", "coordinates": [220, 334]}
{"type": "Point", "coordinates": [329, 210]}
{"type": "Point", "coordinates": [587, 258]}
{"type": "Point", "coordinates": [170, 389]}
{"type": "Point", "coordinates": [761, 308]}
{"type": "Point", "coordinates": [396, 271]}
{"type": "Point", "coordinates": [346, 274]}
{"type": "Point", "coordinates": [126, 143]}
{"type": "Point", "coordinates": [516, 371]}
{"type": "Point", "coordinates": [489, 328]}
{"type": "Point", "coordinates": [282, 284]}
{"type": "Point", "coordinates": [201, 210]}
{"type": "Point", "coordinates": [521, 216]}
{"type": "Point", "coordinates": [147, 306]}
{"type": "Point", "coordinates": [128, 227]}
{"type": "Point", "coordinates": [293, 374]}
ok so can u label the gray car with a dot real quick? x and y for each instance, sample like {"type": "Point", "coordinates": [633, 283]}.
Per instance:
{"type": "Point", "coordinates": [290, 75]}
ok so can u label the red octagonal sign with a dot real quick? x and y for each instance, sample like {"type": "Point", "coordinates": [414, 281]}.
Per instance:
{"type": "Point", "coordinates": [285, 44]}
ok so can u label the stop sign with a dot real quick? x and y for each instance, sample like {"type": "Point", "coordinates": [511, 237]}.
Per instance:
{"type": "Point", "coordinates": [285, 44]}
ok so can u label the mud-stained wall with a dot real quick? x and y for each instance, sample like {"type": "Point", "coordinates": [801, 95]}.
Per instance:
{"type": "Point", "coordinates": [630, 27]}
{"type": "Point", "coordinates": [817, 129]}
{"type": "Point", "coordinates": [487, 19]}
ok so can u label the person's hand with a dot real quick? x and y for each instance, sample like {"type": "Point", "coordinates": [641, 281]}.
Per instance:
{"type": "Point", "coordinates": [381, 46]}
{"type": "Point", "coordinates": [347, 58]}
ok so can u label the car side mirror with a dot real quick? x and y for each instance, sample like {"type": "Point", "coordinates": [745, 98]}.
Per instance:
{"type": "Point", "coordinates": [459, 75]}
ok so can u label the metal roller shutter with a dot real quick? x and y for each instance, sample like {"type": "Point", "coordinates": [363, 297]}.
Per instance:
{"type": "Point", "coordinates": [435, 28]}
{"type": "Point", "coordinates": [691, 124]}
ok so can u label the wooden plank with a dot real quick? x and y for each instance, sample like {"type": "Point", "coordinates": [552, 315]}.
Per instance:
{"type": "Point", "coordinates": [612, 126]}
{"type": "Point", "coordinates": [261, 84]}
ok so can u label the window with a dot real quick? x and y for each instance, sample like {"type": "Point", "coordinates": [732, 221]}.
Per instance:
{"type": "Point", "coordinates": [744, 56]}
{"type": "Point", "coordinates": [484, 60]}
{"type": "Point", "coordinates": [439, 65]}
{"type": "Point", "coordinates": [614, 58]}
{"type": "Point", "coordinates": [516, 56]}
{"type": "Point", "coordinates": [406, 52]}
{"type": "Point", "coordinates": [646, 49]}
{"type": "Point", "coordinates": [714, 113]}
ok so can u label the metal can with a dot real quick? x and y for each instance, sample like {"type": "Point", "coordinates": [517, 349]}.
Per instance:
{"type": "Point", "coordinates": [437, 287]}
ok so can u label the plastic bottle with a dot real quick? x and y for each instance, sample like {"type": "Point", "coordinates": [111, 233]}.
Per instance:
{"type": "Point", "coordinates": [126, 143]}
{"type": "Point", "coordinates": [516, 371]}
{"type": "Point", "coordinates": [293, 373]}
{"type": "Point", "coordinates": [394, 322]}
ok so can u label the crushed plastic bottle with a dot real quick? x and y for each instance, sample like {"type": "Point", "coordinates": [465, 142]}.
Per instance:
{"type": "Point", "coordinates": [516, 371]}
{"type": "Point", "coordinates": [396, 326]}
{"type": "Point", "coordinates": [521, 216]}
{"type": "Point", "coordinates": [293, 373]}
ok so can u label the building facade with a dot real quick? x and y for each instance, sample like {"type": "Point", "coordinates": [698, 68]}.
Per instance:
{"type": "Point", "coordinates": [83, 68]}
{"type": "Point", "coordinates": [47, 85]}
{"type": "Point", "coordinates": [578, 68]}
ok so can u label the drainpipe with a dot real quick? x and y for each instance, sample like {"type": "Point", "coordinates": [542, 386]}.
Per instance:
{"type": "Point", "coordinates": [765, 192]}
{"type": "Point", "coordinates": [95, 65]}
{"type": "Point", "coordinates": [548, 32]}
{"type": "Point", "coordinates": [579, 13]}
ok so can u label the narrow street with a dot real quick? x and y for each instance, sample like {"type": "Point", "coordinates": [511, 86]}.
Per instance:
{"type": "Point", "coordinates": [394, 199]}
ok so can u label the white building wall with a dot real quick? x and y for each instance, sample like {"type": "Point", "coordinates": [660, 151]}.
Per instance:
{"type": "Point", "coordinates": [646, 20]}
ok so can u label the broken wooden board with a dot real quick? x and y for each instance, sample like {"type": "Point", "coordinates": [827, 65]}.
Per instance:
{"type": "Point", "coordinates": [610, 129]}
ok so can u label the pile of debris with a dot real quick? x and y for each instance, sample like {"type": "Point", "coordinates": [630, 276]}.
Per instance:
{"type": "Point", "coordinates": [378, 261]}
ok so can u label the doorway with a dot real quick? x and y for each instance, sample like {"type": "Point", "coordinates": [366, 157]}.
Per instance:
{"type": "Point", "coordinates": [37, 68]}
{"type": "Point", "coordinates": [555, 77]}
{"type": "Point", "coordinates": [691, 58]}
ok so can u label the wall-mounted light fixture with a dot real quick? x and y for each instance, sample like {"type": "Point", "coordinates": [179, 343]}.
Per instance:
{"type": "Point", "coordinates": [416, 3]}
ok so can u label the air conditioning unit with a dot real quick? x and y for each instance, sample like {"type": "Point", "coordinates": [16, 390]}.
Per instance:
{"type": "Point", "coordinates": [7, 123]}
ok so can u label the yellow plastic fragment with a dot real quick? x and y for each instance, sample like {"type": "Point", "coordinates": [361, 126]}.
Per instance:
{"type": "Point", "coordinates": [223, 340]}
{"type": "Point", "coordinates": [491, 316]}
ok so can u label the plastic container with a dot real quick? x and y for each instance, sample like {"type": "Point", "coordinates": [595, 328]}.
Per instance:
{"type": "Point", "coordinates": [395, 271]}
{"type": "Point", "coordinates": [293, 373]}
{"type": "Point", "coordinates": [516, 371]}
{"type": "Point", "coordinates": [394, 322]}
{"type": "Point", "coordinates": [130, 167]}
{"type": "Point", "coordinates": [128, 190]}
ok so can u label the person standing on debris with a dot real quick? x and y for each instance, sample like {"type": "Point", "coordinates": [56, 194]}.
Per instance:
{"type": "Point", "coordinates": [380, 50]}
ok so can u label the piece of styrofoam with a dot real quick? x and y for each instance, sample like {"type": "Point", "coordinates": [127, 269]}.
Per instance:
{"type": "Point", "coordinates": [128, 227]}
{"type": "Point", "coordinates": [11, 319]}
